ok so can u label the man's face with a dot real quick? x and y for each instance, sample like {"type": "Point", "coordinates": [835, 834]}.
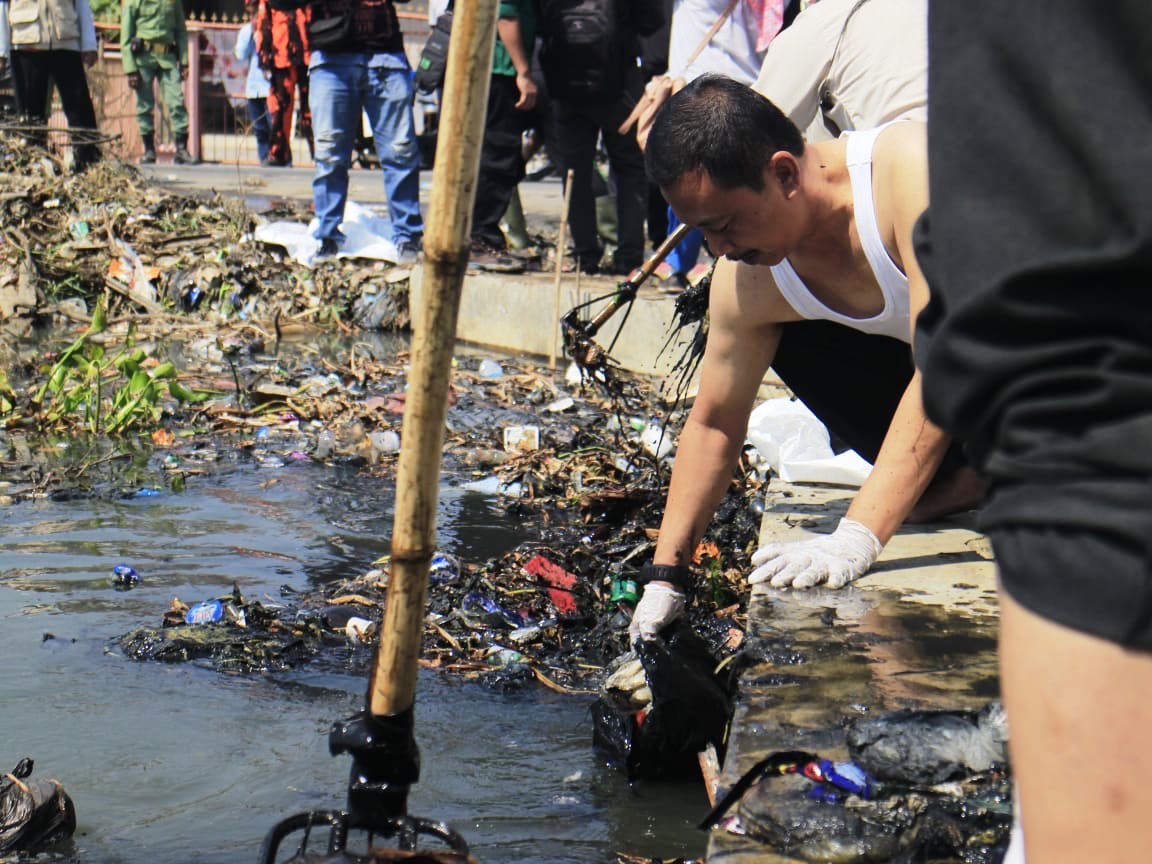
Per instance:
{"type": "Point", "coordinates": [740, 224]}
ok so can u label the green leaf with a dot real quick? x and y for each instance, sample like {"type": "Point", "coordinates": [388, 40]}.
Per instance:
{"type": "Point", "coordinates": [182, 394]}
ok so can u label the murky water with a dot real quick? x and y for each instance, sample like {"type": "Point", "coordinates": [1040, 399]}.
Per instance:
{"type": "Point", "coordinates": [181, 765]}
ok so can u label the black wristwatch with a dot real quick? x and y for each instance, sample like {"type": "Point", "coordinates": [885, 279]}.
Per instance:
{"type": "Point", "coordinates": [677, 574]}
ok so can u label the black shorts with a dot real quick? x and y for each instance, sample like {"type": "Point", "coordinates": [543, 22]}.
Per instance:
{"type": "Point", "coordinates": [1078, 553]}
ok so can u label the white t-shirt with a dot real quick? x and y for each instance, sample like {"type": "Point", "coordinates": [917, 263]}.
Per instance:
{"type": "Point", "coordinates": [731, 52]}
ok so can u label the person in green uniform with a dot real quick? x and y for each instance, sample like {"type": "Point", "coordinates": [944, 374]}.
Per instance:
{"type": "Point", "coordinates": [156, 42]}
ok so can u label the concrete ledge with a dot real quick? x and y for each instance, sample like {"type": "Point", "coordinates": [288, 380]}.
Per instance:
{"type": "Point", "coordinates": [518, 313]}
{"type": "Point", "coordinates": [918, 631]}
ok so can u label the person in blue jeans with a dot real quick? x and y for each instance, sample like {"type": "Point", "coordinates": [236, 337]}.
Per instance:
{"type": "Point", "coordinates": [255, 86]}
{"type": "Point", "coordinates": [358, 66]}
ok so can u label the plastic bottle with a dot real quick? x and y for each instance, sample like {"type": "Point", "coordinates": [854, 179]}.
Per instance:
{"type": "Point", "coordinates": [205, 612]}
{"type": "Point", "coordinates": [623, 591]}
{"type": "Point", "coordinates": [490, 369]}
{"type": "Point", "coordinates": [656, 439]}
{"type": "Point", "coordinates": [325, 443]}
{"type": "Point", "coordinates": [385, 443]}
{"type": "Point", "coordinates": [124, 577]}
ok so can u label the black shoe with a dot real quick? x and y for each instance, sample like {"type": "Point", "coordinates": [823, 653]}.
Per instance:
{"type": "Point", "coordinates": [329, 249]}
{"type": "Point", "coordinates": [269, 162]}
{"type": "Point", "coordinates": [148, 158]}
{"type": "Point", "coordinates": [481, 256]}
{"type": "Point", "coordinates": [183, 157]}
{"type": "Point", "coordinates": [407, 253]}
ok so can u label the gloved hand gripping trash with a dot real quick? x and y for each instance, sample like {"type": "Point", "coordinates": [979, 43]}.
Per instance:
{"type": "Point", "coordinates": [834, 559]}
{"type": "Point", "coordinates": [661, 604]}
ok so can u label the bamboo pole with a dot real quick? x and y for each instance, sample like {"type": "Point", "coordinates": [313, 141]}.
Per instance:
{"type": "Point", "coordinates": [392, 689]}
{"type": "Point", "coordinates": [559, 270]}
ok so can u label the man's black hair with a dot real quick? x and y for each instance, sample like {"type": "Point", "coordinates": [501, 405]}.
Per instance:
{"type": "Point", "coordinates": [722, 127]}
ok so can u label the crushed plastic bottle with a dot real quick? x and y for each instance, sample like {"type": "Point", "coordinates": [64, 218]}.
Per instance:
{"type": "Point", "coordinates": [656, 439]}
{"type": "Point", "coordinates": [623, 591]}
{"type": "Point", "coordinates": [385, 443]}
{"type": "Point", "coordinates": [490, 369]}
{"type": "Point", "coordinates": [325, 444]}
{"type": "Point", "coordinates": [443, 570]}
{"type": "Point", "coordinates": [205, 612]}
{"type": "Point", "coordinates": [124, 577]}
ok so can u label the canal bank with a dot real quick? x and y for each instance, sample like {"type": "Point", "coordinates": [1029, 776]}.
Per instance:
{"type": "Point", "coordinates": [917, 632]}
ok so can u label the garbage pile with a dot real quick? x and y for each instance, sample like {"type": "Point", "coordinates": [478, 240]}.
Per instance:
{"type": "Point", "coordinates": [68, 239]}
{"type": "Point", "coordinates": [916, 786]}
{"type": "Point", "coordinates": [553, 612]}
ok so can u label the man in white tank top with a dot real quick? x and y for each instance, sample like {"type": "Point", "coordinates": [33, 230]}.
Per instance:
{"type": "Point", "coordinates": [806, 231]}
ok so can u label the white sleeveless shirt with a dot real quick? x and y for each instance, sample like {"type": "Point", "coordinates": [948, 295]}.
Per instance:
{"type": "Point", "coordinates": [893, 319]}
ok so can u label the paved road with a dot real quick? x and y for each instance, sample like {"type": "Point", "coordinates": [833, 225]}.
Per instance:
{"type": "Point", "coordinates": [542, 200]}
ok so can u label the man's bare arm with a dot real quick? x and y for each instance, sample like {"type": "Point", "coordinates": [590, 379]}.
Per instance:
{"type": "Point", "coordinates": [742, 340]}
{"type": "Point", "coordinates": [914, 446]}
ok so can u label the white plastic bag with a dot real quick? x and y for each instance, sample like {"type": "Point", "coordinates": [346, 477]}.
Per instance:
{"type": "Point", "coordinates": [793, 441]}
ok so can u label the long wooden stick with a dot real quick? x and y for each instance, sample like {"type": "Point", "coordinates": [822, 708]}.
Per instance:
{"type": "Point", "coordinates": [559, 270]}
{"type": "Point", "coordinates": [392, 689]}
{"type": "Point", "coordinates": [645, 100]}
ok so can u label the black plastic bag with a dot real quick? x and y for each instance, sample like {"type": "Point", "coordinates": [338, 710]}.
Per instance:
{"type": "Point", "coordinates": [33, 813]}
{"type": "Point", "coordinates": [433, 61]}
{"type": "Point", "coordinates": [690, 709]}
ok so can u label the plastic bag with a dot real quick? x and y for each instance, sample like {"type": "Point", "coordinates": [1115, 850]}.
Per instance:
{"type": "Point", "coordinates": [33, 813]}
{"type": "Point", "coordinates": [791, 439]}
{"type": "Point", "coordinates": [690, 709]}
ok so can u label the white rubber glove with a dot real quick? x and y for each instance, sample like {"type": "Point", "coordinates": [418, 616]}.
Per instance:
{"type": "Point", "coordinates": [659, 607]}
{"type": "Point", "coordinates": [836, 559]}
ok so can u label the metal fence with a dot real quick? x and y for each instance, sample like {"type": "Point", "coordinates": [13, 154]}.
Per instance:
{"type": "Point", "coordinates": [219, 126]}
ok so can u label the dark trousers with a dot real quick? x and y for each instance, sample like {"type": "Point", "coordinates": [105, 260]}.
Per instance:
{"type": "Point", "coordinates": [283, 86]}
{"type": "Point", "coordinates": [33, 73]}
{"type": "Point", "coordinates": [852, 381]}
{"type": "Point", "coordinates": [501, 161]}
{"type": "Point", "coordinates": [258, 114]}
{"type": "Point", "coordinates": [578, 127]}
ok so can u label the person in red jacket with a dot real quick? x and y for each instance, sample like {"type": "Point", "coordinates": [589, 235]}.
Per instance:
{"type": "Point", "coordinates": [282, 46]}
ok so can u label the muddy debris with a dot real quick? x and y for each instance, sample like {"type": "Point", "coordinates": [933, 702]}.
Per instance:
{"type": "Point", "coordinates": [161, 258]}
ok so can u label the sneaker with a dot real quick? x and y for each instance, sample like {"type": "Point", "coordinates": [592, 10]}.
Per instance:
{"type": "Point", "coordinates": [697, 273]}
{"type": "Point", "coordinates": [269, 162]}
{"type": "Point", "coordinates": [149, 157]}
{"type": "Point", "coordinates": [481, 256]}
{"type": "Point", "coordinates": [183, 157]}
{"type": "Point", "coordinates": [676, 283]}
{"type": "Point", "coordinates": [407, 253]}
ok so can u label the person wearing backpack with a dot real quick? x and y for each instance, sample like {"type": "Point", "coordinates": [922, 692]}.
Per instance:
{"type": "Point", "coordinates": [511, 99]}
{"type": "Point", "coordinates": [590, 58]}
{"type": "Point", "coordinates": [281, 29]}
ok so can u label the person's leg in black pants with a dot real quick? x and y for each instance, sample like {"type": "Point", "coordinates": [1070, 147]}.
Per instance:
{"type": "Point", "coordinates": [853, 382]}
{"type": "Point", "coordinates": [31, 79]}
{"type": "Point", "coordinates": [626, 161]}
{"type": "Point", "coordinates": [72, 84]}
{"type": "Point", "coordinates": [501, 162]}
{"type": "Point", "coordinates": [576, 137]}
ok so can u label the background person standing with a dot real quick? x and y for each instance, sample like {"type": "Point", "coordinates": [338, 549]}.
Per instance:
{"type": "Point", "coordinates": [281, 30]}
{"type": "Point", "coordinates": [51, 42]}
{"type": "Point", "coordinates": [155, 40]}
{"type": "Point", "coordinates": [359, 66]}
{"type": "Point", "coordinates": [255, 85]}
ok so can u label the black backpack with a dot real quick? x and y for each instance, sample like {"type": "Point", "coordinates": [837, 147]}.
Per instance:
{"type": "Point", "coordinates": [434, 58]}
{"type": "Point", "coordinates": [582, 53]}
